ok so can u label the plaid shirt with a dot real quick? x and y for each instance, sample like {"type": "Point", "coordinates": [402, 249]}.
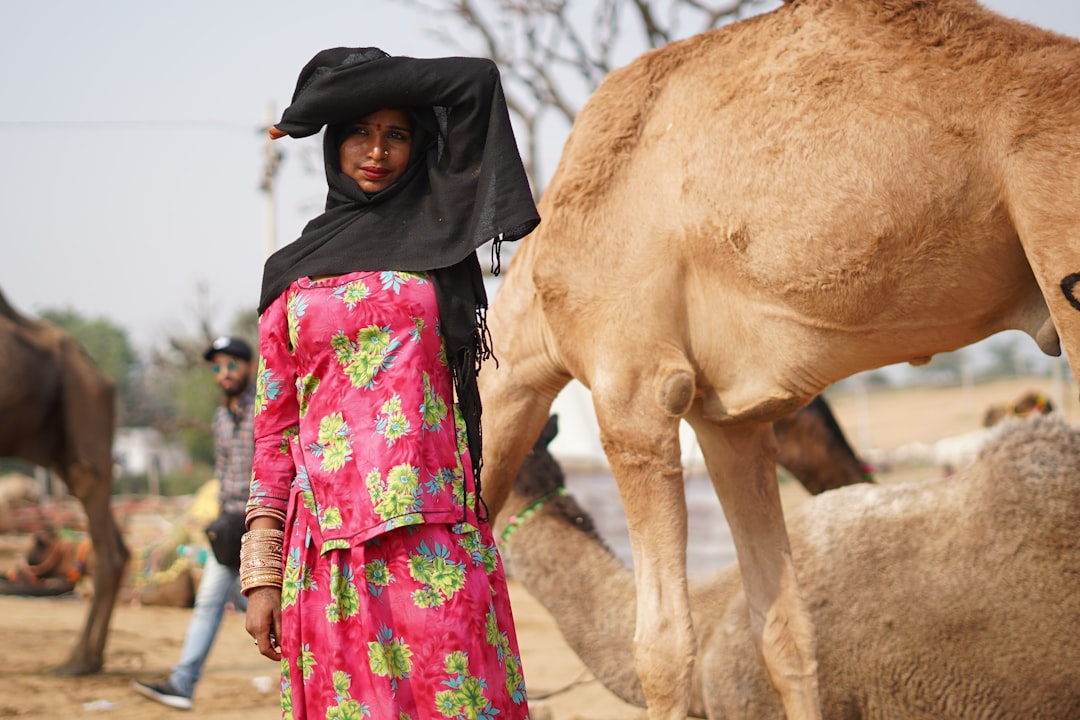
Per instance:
{"type": "Point", "coordinates": [234, 448]}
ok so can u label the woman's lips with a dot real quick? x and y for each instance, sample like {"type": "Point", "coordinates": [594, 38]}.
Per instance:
{"type": "Point", "coordinates": [374, 173]}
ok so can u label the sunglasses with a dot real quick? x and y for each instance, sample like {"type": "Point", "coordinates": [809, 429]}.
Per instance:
{"type": "Point", "coordinates": [230, 366]}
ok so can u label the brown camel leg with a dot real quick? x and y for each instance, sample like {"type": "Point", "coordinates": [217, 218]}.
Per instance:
{"type": "Point", "coordinates": [741, 463]}
{"type": "Point", "coordinates": [643, 450]}
{"type": "Point", "coordinates": [110, 557]}
{"type": "Point", "coordinates": [517, 390]}
{"type": "Point", "coordinates": [514, 415]}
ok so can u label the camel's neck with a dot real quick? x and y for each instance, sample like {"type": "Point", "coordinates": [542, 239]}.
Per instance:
{"type": "Point", "coordinates": [588, 591]}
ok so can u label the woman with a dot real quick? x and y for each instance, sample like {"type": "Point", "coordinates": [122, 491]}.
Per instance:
{"type": "Point", "coordinates": [391, 599]}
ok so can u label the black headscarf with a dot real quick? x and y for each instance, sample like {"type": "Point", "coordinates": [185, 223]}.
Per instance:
{"type": "Point", "coordinates": [465, 186]}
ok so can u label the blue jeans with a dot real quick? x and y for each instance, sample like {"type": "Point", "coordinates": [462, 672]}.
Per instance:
{"type": "Point", "coordinates": [218, 586]}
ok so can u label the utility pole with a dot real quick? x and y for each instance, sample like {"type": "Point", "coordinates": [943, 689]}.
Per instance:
{"type": "Point", "coordinates": [272, 157]}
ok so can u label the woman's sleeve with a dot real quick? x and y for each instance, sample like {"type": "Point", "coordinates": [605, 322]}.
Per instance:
{"type": "Point", "coordinates": [351, 90]}
{"type": "Point", "coordinates": [277, 413]}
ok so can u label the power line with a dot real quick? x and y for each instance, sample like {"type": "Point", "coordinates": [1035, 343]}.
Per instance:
{"type": "Point", "coordinates": [68, 125]}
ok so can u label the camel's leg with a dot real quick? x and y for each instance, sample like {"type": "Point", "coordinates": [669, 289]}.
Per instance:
{"type": "Point", "coordinates": [514, 415]}
{"type": "Point", "coordinates": [110, 558]}
{"type": "Point", "coordinates": [1042, 186]}
{"type": "Point", "coordinates": [642, 444]}
{"type": "Point", "coordinates": [742, 464]}
{"type": "Point", "coordinates": [88, 417]}
{"type": "Point", "coordinates": [517, 387]}
{"type": "Point", "coordinates": [1055, 260]}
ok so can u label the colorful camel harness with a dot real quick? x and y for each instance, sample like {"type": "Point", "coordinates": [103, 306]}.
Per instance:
{"type": "Point", "coordinates": [519, 519]}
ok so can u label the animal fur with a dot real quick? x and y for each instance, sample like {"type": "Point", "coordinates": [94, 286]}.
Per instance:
{"type": "Point", "coordinates": [59, 412]}
{"type": "Point", "coordinates": [952, 598]}
{"type": "Point", "coordinates": [743, 218]}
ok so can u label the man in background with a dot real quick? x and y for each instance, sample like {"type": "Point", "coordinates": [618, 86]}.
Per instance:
{"type": "Point", "coordinates": [230, 360]}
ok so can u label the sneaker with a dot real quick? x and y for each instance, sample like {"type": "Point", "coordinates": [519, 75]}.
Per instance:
{"type": "Point", "coordinates": [164, 692]}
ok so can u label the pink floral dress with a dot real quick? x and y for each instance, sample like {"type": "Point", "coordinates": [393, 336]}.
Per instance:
{"type": "Point", "coordinates": [394, 603]}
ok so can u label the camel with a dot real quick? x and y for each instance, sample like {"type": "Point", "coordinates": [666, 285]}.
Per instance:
{"type": "Point", "coordinates": [59, 414]}
{"type": "Point", "coordinates": [813, 448]}
{"type": "Point", "coordinates": [949, 598]}
{"type": "Point", "coordinates": [744, 217]}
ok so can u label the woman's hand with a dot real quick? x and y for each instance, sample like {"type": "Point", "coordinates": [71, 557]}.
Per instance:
{"type": "Point", "coordinates": [264, 620]}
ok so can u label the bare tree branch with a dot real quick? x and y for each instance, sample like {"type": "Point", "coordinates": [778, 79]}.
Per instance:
{"type": "Point", "coordinates": [550, 66]}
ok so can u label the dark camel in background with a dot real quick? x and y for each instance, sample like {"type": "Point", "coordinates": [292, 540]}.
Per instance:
{"type": "Point", "coordinates": [813, 448]}
{"type": "Point", "coordinates": [920, 615]}
{"type": "Point", "coordinates": [59, 413]}
{"type": "Point", "coordinates": [743, 218]}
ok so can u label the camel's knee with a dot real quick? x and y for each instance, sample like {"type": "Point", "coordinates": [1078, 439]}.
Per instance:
{"type": "Point", "coordinates": [665, 665]}
{"type": "Point", "coordinates": [676, 392]}
{"type": "Point", "coordinates": [784, 636]}
{"type": "Point", "coordinates": [788, 647]}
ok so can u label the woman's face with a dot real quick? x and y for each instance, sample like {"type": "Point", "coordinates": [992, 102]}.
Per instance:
{"type": "Point", "coordinates": [375, 151]}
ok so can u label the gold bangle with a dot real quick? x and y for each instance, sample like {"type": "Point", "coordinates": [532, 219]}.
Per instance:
{"type": "Point", "coordinates": [265, 549]}
{"type": "Point", "coordinates": [262, 580]}
{"type": "Point", "coordinates": [256, 511]}
{"type": "Point", "coordinates": [252, 550]}
{"type": "Point", "coordinates": [263, 558]}
{"type": "Point", "coordinates": [263, 534]}
{"type": "Point", "coordinates": [246, 587]}
{"type": "Point", "coordinates": [263, 542]}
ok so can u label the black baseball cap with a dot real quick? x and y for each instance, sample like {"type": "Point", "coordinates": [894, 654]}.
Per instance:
{"type": "Point", "coordinates": [229, 345]}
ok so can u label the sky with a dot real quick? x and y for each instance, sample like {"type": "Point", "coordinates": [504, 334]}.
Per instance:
{"type": "Point", "coordinates": [132, 149]}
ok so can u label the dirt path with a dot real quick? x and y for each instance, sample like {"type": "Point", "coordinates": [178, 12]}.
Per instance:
{"type": "Point", "coordinates": [144, 641]}
{"type": "Point", "coordinates": [238, 683]}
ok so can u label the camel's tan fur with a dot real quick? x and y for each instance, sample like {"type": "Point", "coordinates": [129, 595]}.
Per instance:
{"type": "Point", "coordinates": [955, 598]}
{"type": "Point", "coordinates": [742, 218]}
{"type": "Point", "coordinates": [59, 413]}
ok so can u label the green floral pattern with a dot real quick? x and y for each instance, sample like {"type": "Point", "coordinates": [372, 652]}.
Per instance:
{"type": "Point", "coordinates": [393, 424]}
{"type": "Point", "coordinates": [397, 494]}
{"type": "Point", "coordinates": [440, 576]}
{"type": "Point", "coordinates": [369, 355]}
{"type": "Point", "coordinates": [333, 445]}
{"type": "Point", "coordinates": [389, 656]}
{"type": "Point", "coordinates": [383, 590]}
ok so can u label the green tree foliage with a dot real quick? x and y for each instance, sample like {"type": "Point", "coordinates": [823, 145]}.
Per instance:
{"type": "Point", "coordinates": [246, 325]}
{"type": "Point", "coordinates": [554, 53]}
{"type": "Point", "coordinates": [170, 389]}
{"type": "Point", "coordinates": [108, 346]}
{"type": "Point", "coordinates": [181, 390]}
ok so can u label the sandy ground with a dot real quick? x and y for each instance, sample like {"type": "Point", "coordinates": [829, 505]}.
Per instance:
{"type": "Point", "coordinates": [144, 641]}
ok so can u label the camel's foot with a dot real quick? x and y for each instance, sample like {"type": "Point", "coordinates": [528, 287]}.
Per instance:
{"type": "Point", "coordinates": [78, 666]}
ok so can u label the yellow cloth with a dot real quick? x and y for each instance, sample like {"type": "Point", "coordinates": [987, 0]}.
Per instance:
{"type": "Point", "coordinates": [204, 507]}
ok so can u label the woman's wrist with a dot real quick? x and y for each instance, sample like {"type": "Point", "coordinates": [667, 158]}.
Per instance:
{"type": "Point", "coordinates": [264, 518]}
{"type": "Point", "coordinates": [271, 592]}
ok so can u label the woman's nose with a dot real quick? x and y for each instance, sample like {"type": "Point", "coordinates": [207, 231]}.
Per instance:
{"type": "Point", "coordinates": [377, 151]}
